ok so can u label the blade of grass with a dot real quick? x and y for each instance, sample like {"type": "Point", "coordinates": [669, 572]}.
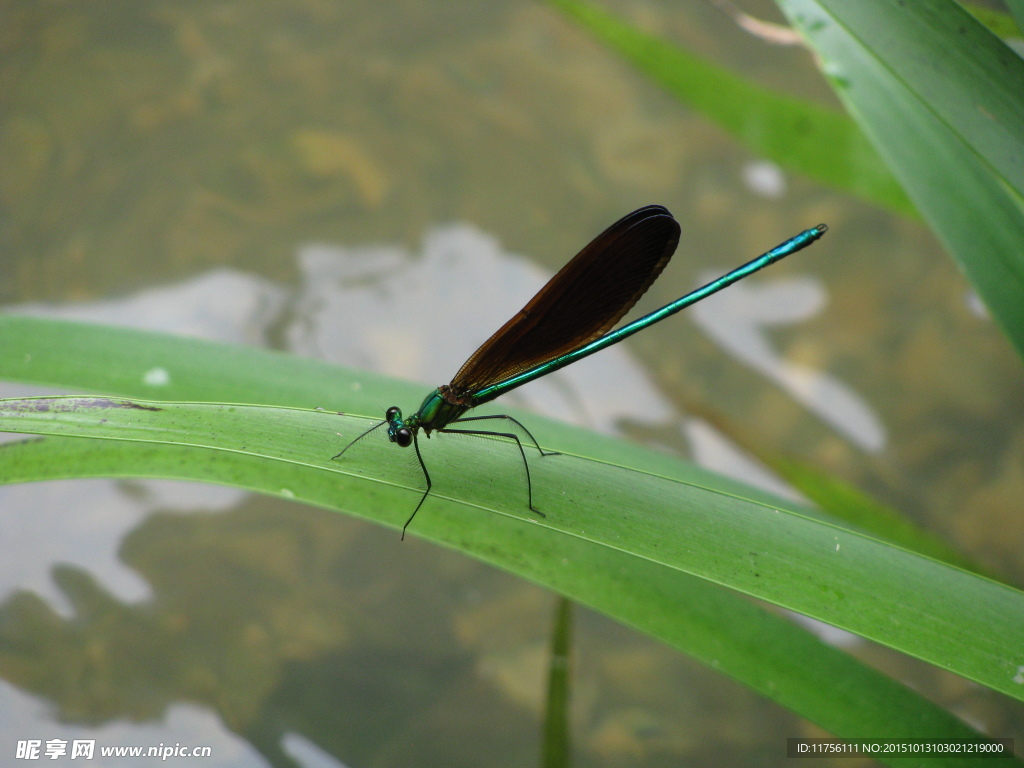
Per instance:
{"type": "Point", "coordinates": [556, 710]}
{"type": "Point", "coordinates": [124, 361]}
{"type": "Point", "coordinates": [771, 656]}
{"type": "Point", "coordinates": [999, 23]}
{"type": "Point", "coordinates": [942, 99]}
{"type": "Point", "coordinates": [947, 61]}
{"type": "Point", "coordinates": [956, 620]}
{"type": "Point", "coordinates": [731, 635]}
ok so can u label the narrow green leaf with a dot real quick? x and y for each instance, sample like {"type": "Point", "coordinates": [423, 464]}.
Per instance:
{"type": "Point", "coordinates": [733, 636]}
{"type": "Point", "coordinates": [124, 361]}
{"type": "Point", "coordinates": [556, 710]}
{"type": "Point", "coordinates": [829, 573]}
{"type": "Point", "coordinates": [998, 23]}
{"type": "Point", "coordinates": [950, 64]}
{"type": "Point", "coordinates": [943, 101]}
{"type": "Point", "coordinates": [799, 135]}
{"type": "Point", "coordinates": [617, 539]}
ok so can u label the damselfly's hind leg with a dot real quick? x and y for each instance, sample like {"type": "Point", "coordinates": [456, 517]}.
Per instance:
{"type": "Point", "coordinates": [519, 444]}
{"type": "Point", "coordinates": [518, 423]}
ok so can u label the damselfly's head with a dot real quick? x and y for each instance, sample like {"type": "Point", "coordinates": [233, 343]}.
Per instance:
{"type": "Point", "coordinates": [398, 431]}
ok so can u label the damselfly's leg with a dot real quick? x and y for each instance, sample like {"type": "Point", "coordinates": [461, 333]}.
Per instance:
{"type": "Point", "coordinates": [426, 476]}
{"type": "Point", "coordinates": [517, 423]}
{"type": "Point", "coordinates": [511, 436]}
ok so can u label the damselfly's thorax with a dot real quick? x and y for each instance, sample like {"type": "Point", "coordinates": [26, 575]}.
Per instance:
{"type": "Point", "coordinates": [456, 396]}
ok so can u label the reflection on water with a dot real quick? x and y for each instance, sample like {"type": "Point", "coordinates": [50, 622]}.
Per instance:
{"type": "Point", "coordinates": [737, 320]}
{"type": "Point", "coordinates": [222, 305]}
{"type": "Point", "coordinates": [307, 754]}
{"type": "Point", "coordinates": [765, 179]}
{"type": "Point", "coordinates": [25, 716]}
{"type": "Point", "coordinates": [81, 523]}
{"type": "Point", "coordinates": [261, 618]}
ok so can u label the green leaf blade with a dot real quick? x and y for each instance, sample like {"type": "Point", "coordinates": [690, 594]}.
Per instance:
{"type": "Point", "coordinates": [619, 536]}
{"type": "Point", "coordinates": [820, 570]}
{"type": "Point", "coordinates": [764, 651]}
{"type": "Point", "coordinates": [961, 160]}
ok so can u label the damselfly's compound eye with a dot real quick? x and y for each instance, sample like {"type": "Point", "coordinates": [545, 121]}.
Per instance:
{"type": "Point", "coordinates": [403, 437]}
{"type": "Point", "coordinates": [391, 412]}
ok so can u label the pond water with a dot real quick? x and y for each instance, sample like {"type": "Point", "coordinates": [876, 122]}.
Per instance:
{"type": "Point", "coordinates": [337, 180]}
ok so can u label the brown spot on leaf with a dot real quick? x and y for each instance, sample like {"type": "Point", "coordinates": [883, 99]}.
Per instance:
{"type": "Point", "coordinates": [65, 404]}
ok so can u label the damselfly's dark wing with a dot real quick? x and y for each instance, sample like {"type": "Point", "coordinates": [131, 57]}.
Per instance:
{"type": "Point", "coordinates": [584, 301]}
